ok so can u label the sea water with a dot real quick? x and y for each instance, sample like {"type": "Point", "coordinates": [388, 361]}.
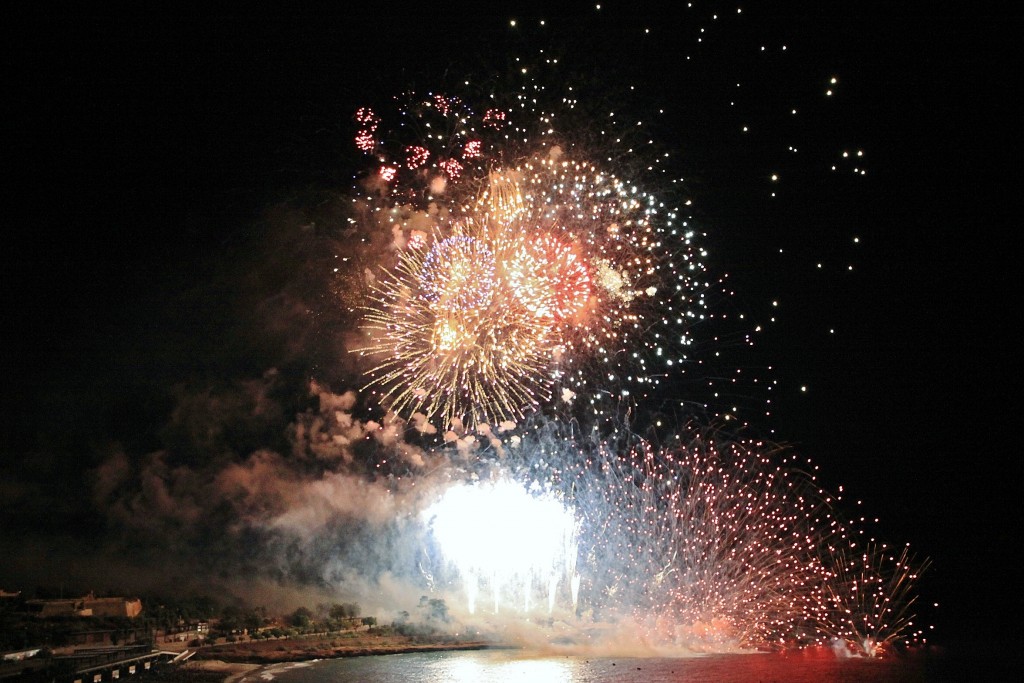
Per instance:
{"type": "Point", "coordinates": [504, 665]}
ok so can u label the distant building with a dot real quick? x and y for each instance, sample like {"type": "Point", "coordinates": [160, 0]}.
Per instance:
{"type": "Point", "coordinates": [114, 607]}
{"type": "Point", "coordinates": [58, 608]}
{"type": "Point", "coordinates": [87, 606]}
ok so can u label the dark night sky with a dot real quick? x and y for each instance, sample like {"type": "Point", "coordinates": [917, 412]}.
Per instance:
{"type": "Point", "coordinates": [142, 152]}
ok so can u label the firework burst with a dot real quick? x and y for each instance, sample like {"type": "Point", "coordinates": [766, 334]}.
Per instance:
{"type": "Point", "coordinates": [716, 544]}
{"type": "Point", "coordinates": [725, 537]}
{"type": "Point", "coordinates": [520, 544]}
{"type": "Point", "coordinates": [454, 341]}
{"type": "Point", "coordinates": [870, 595]}
{"type": "Point", "coordinates": [548, 272]}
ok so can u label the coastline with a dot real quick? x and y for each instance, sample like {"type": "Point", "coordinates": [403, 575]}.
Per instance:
{"type": "Point", "coordinates": [237, 662]}
{"type": "Point", "coordinates": [232, 672]}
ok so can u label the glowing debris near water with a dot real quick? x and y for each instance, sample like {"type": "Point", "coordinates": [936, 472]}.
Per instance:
{"type": "Point", "coordinates": [871, 594]}
{"type": "Point", "coordinates": [711, 546]}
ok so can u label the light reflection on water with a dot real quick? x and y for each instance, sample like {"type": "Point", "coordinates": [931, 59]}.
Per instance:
{"type": "Point", "coordinates": [501, 666]}
{"type": "Point", "coordinates": [474, 669]}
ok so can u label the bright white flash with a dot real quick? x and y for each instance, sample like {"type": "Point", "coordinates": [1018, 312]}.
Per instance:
{"type": "Point", "coordinates": [522, 545]}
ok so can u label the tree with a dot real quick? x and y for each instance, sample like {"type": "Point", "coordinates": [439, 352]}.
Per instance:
{"type": "Point", "coordinates": [252, 620]}
{"type": "Point", "coordinates": [231, 619]}
{"type": "Point", "coordinates": [434, 609]}
{"type": "Point", "coordinates": [341, 612]}
{"type": "Point", "coordinates": [301, 617]}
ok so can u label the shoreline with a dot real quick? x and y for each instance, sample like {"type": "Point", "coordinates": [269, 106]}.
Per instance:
{"type": "Point", "coordinates": [233, 672]}
{"type": "Point", "coordinates": [239, 662]}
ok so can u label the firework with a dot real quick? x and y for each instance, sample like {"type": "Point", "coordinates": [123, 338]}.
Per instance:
{"type": "Point", "coordinates": [549, 278]}
{"type": "Point", "coordinates": [454, 342]}
{"type": "Point", "coordinates": [521, 545]}
{"type": "Point", "coordinates": [551, 273]}
{"type": "Point", "coordinates": [712, 545]}
{"type": "Point", "coordinates": [870, 595]}
{"type": "Point", "coordinates": [725, 538]}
